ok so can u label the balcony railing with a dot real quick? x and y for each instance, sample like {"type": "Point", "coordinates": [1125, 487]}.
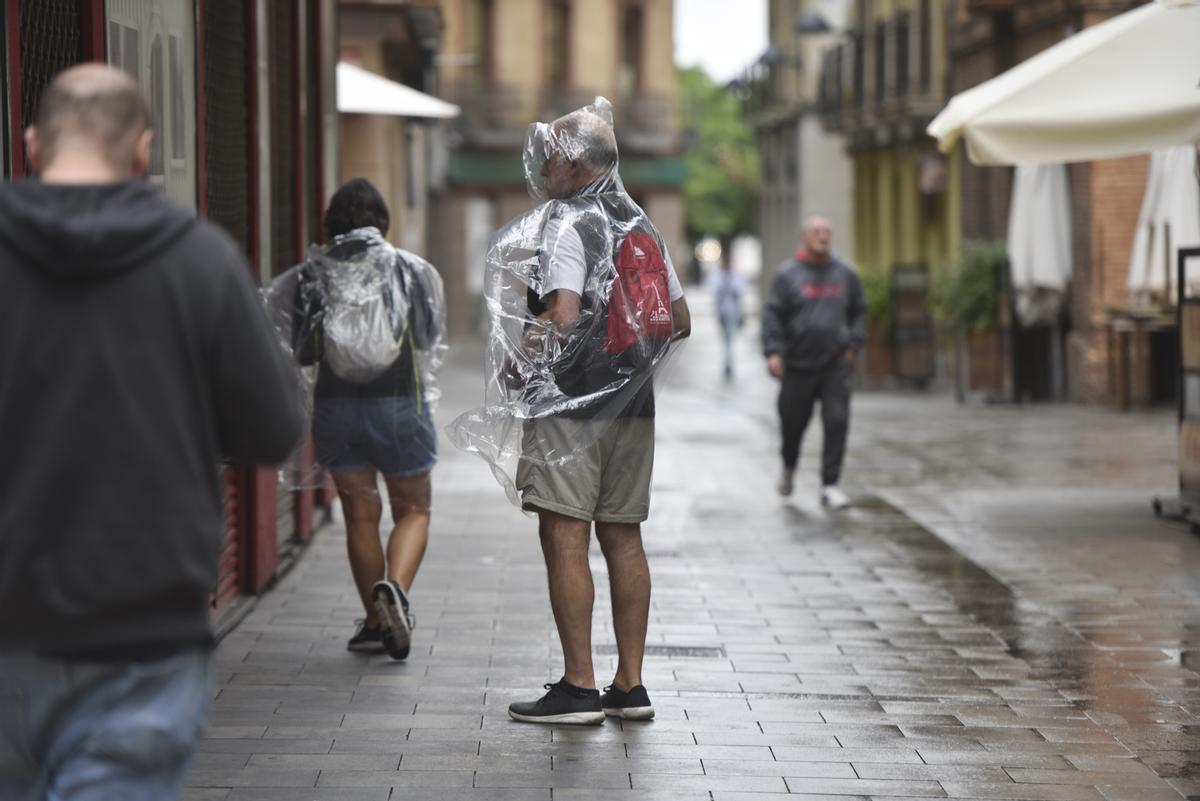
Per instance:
{"type": "Point", "coordinates": [648, 123]}
{"type": "Point", "coordinates": [498, 116]}
{"type": "Point", "coordinates": [898, 95]}
{"type": "Point", "coordinates": [493, 116]}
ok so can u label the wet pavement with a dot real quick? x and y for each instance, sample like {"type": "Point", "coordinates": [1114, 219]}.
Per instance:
{"type": "Point", "coordinates": [1000, 616]}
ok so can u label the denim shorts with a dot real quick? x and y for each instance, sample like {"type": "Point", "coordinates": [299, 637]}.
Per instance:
{"type": "Point", "coordinates": [389, 434]}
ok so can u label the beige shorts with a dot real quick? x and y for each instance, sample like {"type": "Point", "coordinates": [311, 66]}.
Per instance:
{"type": "Point", "coordinates": [606, 481]}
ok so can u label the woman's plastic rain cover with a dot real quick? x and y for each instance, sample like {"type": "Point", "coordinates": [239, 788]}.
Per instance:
{"type": "Point", "coordinates": [360, 318]}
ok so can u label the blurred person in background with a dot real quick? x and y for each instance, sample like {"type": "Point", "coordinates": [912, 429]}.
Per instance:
{"type": "Point", "coordinates": [814, 324]}
{"type": "Point", "coordinates": [727, 287]}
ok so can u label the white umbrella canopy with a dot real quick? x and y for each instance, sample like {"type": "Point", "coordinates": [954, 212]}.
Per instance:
{"type": "Point", "coordinates": [1127, 85]}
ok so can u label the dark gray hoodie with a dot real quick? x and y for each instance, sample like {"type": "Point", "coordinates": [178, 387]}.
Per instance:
{"type": "Point", "coordinates": [134, 355]}
{"type": "Point", "coordinates": [814, 313]}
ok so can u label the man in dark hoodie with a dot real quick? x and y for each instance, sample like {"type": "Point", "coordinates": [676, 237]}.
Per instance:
{"type": "Point", "coordinates": [814, 324]}
{"type": "Point", "coordinates": [134, 355]}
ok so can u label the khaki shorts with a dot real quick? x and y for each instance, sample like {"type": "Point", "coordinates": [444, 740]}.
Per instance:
{"type": "Point", "coordinates": [607, 481]}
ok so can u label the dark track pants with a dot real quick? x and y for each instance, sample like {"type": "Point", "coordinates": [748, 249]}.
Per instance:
{"type": "Point", "coordinates": [801, 389]}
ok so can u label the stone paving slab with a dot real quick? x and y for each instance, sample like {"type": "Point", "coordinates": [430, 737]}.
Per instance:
{"type": "Point", "coordinates": [857, 656]}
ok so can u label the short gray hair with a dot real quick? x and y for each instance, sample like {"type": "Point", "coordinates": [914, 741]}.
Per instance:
{"type": "Point", "coordinates": [585, 135]}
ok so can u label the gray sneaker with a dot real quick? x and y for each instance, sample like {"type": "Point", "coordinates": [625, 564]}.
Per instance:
{"type": "Point", "coordinates": [786, 483]}
{"type": "Point", "coordinates": [395, 621]}
{"type": "Point", "coordinates": [563, 704]}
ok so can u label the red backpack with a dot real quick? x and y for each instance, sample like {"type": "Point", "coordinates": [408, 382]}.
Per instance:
{"type": "Point", "coordinates": [639, 309]}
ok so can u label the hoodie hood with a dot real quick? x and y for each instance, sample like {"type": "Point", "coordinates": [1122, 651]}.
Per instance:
{"type": "Point", "coordinates": [88, 232]}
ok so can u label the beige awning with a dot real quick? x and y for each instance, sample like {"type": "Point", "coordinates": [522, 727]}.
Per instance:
{"type": "Point", "coordinates": [1127, 85]}
{"type": "Point", "coordinates": [363, 92]}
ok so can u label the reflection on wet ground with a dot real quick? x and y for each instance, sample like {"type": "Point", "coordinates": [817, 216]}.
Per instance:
{"type": "Point", "coordinates": [1035, 521]}
{"type": "Point", "coordinates": [998, 617]}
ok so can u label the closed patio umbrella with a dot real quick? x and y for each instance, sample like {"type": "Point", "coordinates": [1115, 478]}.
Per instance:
{"type": "Point", "coordinates": [1039, 241]}
{"type": "Point", "coordinates": [1169, 220]}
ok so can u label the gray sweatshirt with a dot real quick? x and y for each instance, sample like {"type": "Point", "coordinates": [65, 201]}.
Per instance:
{"type": "Point", "coordinates": [814, 313]}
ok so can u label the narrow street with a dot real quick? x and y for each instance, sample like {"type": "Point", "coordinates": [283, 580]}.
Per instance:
{"type": "Point", "coordinates": [1000, 616]}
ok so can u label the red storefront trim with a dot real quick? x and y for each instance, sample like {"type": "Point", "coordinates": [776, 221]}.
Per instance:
{"type": "Point", "coordinates": [94, 26]}
{"type": "Point", "coordinates": [262, 542]}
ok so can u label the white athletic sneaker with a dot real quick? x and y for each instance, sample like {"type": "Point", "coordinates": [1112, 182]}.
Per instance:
{"type": "Point", "coordinates": [785, 484]}
{"type": "Point", "coordinates": [833, 498]}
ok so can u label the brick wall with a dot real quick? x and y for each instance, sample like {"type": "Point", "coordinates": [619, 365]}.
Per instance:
{"type": "Point", "coordinates": [1106, 198]}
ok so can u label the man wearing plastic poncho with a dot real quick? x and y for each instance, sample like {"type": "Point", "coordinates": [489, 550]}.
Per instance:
{"type": "Point", "coordinates": [583, 305]}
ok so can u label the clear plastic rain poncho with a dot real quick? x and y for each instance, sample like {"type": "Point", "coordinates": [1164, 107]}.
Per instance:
{"type": "Point", "coordinates": [578, 293]}
{"type": "Point", "coordinates": [365, 323]}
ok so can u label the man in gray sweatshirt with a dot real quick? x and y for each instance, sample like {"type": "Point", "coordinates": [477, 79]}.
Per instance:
{"type": "Point", "coordinates": [814, 324]}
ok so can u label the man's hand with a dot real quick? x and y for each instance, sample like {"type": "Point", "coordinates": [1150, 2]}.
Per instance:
{"type": "Point", "coordinates": [775, 365]}
{"type": "Point", "coordinates": [850, 355]}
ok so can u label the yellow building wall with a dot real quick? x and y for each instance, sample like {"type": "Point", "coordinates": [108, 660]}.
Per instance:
{"type": "Point", "coordinates": [658, 57]}
{"type": "Point", "coordinates": [893, 223]}
{"type": "Point", "coordinates": [594, 48]}
{"type": "Point", "coordinates": [516, 50]}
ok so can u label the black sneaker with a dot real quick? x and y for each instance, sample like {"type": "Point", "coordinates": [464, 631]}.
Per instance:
{"type": "Point", "coordinates": [368, 639]}
{"type": "Point", "coordinates": [631, 705]}
{"type": "Point", "coordinates": [395, 620]}
{"type": "Point", "coordinates": [565, 703]}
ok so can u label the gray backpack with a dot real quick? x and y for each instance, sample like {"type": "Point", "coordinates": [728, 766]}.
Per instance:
{"type": "Point", "coordinates": [366, 314]}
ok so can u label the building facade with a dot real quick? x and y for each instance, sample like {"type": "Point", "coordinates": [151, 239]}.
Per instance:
{"type": "Point", "coordinates": [241, 95]}
{"type": "Point", "coordinates": [988, 37]}
{"type": "Point", "coordinates": [508, 63]}
{"type": "Point", "coordinates": [399, 40]}
{"type": "Point", "coordinates": [880, 86]}
{"type": "Point", "coordinates": [806, 169]}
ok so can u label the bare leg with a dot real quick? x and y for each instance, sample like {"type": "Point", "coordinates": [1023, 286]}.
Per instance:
{"type": "Point", "coordinates": [629, 585]}
{"type": "Point", "coordinates": [565, 546]}
{"type": "Point", "coordinates": [363, 510]}
{"type": "Point", "coordinates": [410, 498]}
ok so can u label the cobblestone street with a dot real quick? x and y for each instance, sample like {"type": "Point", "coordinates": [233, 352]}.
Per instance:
{"type": "Point", "coordinates": [999, 616]}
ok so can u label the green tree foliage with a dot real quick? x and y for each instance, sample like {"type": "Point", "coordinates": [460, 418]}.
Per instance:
{"type": "Point", "coordinates": [723, 172]}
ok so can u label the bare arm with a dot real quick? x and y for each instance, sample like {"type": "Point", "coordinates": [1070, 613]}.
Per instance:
{"type": "Point", "coordinates": [682, 320]}
{"type": "Point", "coordinates": [563, 308]}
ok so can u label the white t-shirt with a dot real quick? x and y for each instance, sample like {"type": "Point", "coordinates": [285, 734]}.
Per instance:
{"type": "Point", "coordinates": [566, 263]}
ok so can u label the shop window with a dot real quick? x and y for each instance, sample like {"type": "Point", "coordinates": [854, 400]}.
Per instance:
{"type": "Point", "coordinates": [154, 41]}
